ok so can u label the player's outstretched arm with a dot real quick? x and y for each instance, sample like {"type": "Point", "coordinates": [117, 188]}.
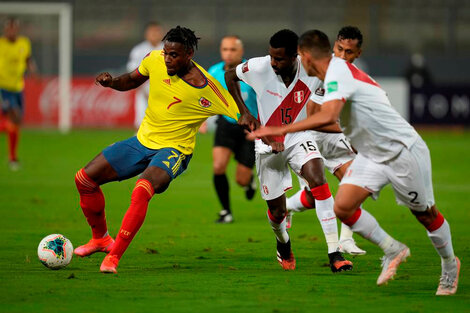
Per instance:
{"type": "Point", "coordinates": [246, 119]}
{"type": "Point", "coordinates": [327, 116]}
{"type": "Point", "coordinates": [312, 108]}
{"type": "Point", "coordinates": [124, 82]}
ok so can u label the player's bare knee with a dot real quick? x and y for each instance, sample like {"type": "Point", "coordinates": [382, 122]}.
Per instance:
{"type": "Point", "coordinates": [161, 188]}
{"type": "Point", "coordinates": [313, 171]}
{"type": "Point", "coordinates": [343, 210]}
{"type": "Point", "coordinates": [158, 178]}
{"type": "Point", "coordinates": [219, 168]}
{"type": "Point", "coordinates": [426, 217]}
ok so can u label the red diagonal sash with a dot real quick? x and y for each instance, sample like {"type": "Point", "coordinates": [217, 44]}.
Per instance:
{"type": "Point", "coordinates": [290, 107]}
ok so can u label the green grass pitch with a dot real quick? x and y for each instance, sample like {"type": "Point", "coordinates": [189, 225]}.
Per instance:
{"type": "Point", "coordinates": [181, 261]}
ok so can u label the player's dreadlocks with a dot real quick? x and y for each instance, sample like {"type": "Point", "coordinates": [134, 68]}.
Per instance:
{"type": "Point", "coordinates": [350, 32]}
{"type": "Point", "coordinates": [184, 36]}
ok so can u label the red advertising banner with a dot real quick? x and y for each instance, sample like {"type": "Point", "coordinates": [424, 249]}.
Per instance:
{"type": "Point", "coordinates": [91, 105]}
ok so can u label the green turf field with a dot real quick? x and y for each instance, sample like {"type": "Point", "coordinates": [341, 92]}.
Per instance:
{"type": "Point", "coordinates": [181, 261]}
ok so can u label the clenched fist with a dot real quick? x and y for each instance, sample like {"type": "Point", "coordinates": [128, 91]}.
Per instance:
{"type": "Point", "coordinates": [104, 79]}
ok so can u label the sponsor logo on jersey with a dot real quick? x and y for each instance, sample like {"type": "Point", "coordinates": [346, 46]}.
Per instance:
{"type": "Point", "coordinates": [299, 96]}
{"type": "Point", "coordinates": [331, 86]}
{"type": "Point", "coordinates": [167, 81]}
{"type": "Point", "coordinates": [320, 92]}
{"type": "Point", "coordinates": [265, 190]}
{"type": "Point", "coordinates": [245, 67]}
{"type": "Point", "coordinates": [274, 93]}
{"type": "Point", "coordinates": [166, 163]}
{"type": "Point", "coordinates": [204, 102]}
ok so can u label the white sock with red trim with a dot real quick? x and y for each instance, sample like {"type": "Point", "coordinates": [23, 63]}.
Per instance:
{"type": "Point", "coordinates": [324, 207]}
{"type": "Point", "coordinates": [279, 227]}
{"type": "Point", "coordinates": [363, 223]}
{"type": "Point", "coordinates": [439, 233]}
{"type": "Point", "coordinates": [298, 202]}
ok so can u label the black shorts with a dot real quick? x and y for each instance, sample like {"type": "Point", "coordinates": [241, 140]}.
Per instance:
{"type": "Point", "coordinates": [232, 136]}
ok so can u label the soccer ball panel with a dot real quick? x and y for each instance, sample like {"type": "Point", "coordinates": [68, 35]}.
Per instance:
{"type": "Point", "coordinates": [55, 251]}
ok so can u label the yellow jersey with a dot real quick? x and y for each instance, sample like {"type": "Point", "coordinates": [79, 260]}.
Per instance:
{"type": "Point", "coordinates": [13, 63]}
{"type": "Point", "coordinates": [176, 109]}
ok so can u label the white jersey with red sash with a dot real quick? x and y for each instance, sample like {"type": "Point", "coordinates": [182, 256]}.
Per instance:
{"type": "Point", "coordinates": [278, 104]}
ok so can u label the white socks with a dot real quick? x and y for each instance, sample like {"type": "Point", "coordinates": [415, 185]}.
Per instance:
{"type": "Point", "coordinates": [346, 232]}
{"type": "Point", "coordinates": [280, 229]}
{"type": "Point", "coordinates": [442, 241]}
{"type": "Point", "coordinates": [366, 226]}
{"type": "Point", "coordinates": [327, 218]}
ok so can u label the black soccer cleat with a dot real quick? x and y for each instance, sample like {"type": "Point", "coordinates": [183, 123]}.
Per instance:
{"type": "Point", "coordinates": [285, 257]}
{"type": "Point", "coordinates": [225, 217]}
{"type": "Point", "coordinates": [338, 263]}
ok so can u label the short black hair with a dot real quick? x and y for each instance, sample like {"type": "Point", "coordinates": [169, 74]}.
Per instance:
{"type": "Point", "coordinates": [316, 41]}
{"type": "Point", "coordinates": [184, 36]}
{"type": "Point", "coordinates": [350, 32]}
{"type": "Point", "coordinates": [286, 39]}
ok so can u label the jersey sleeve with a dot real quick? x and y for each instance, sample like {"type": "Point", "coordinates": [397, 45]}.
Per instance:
{"type": "Point", "coordinates": [252, 72]}
{"type": "Point", "coordinates": [339, 83]}
{"type": "Point", "coordinates": [230, 110]}
{"type": "Point", "coordinates": [143, 68]}
{"type": "Point", "coordinates": [317, 94]}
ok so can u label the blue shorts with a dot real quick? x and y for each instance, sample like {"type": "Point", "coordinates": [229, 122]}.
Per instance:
{"type": "Point", "coordinates": [130, 158]}
{"type": "Point", "coordinates": [11, 100]}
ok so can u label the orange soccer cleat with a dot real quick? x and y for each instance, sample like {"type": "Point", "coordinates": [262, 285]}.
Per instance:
{"type": "Point", "coordinates": [95, 245]}
{"type": "Point", "coordinates": [109, 264]}
{"type": "Point", "coordinates": [289, 264]}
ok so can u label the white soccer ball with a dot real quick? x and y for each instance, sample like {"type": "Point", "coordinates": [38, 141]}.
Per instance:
{"type": "Point", "coordinates": [55, 251]}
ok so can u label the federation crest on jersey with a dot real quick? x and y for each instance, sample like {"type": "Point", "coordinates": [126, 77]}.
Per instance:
{"type": "Point", "coordinates": [299, 96]}
{"type": "Point", "coordinates": [265, 190]}
{"type": "Point", "coordinates": [204, 102]}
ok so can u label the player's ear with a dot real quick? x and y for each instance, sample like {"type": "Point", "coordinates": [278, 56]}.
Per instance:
{"type": "Point", "coordinates": [190, 53]}
{"type": "Point", "coordinates": [359, 53]}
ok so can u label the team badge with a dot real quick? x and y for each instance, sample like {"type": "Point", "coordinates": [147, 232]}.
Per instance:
{"type": "Point", "coordinates": [204, 102]}
{"type": "Point", "coordinates": [299, 96]}
{"type": "Point", "coordinates": [245, 67]}
{"type": "Point", "coordinates": [320, 92]}
{"type": "Point", "coordinates": [265, 190]}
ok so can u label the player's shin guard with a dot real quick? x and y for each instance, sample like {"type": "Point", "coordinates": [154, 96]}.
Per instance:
{"type": "Point", "coordinates": [13, 131]}
{"type": "Point", "coordinates": [439, 233]}
{"type": "Point", "coordinates": [363, 223]}
{"type": "Point", "coordinates": [134, 217]}
{"type": "Point", "coordinates": [324, 207]}
{"type": "Point", "coordinates": [279, 227]}
{"type": "Point", "coordinates": [92, 204]}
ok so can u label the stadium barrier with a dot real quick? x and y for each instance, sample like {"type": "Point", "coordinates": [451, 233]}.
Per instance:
{"type": "Point", "coordinates": [91, 105]}
{"type": "Point", "coordinates": [98, 107]}
{"type": "Point", "coordinates": [440, 105]}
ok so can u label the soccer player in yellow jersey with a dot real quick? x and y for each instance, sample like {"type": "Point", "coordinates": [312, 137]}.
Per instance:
{"type": "Point", "coordinates": [15, 59]}
{"type": "Point", "coordinates": [182, 96]}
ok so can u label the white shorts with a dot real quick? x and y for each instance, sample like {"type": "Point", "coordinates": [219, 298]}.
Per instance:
{"type": "Point", "coordinates": [336, 150]}
{"type": "Point", "coordinates": [409, 173]}
{"type": "Point", "coordinates": [273, 170]}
